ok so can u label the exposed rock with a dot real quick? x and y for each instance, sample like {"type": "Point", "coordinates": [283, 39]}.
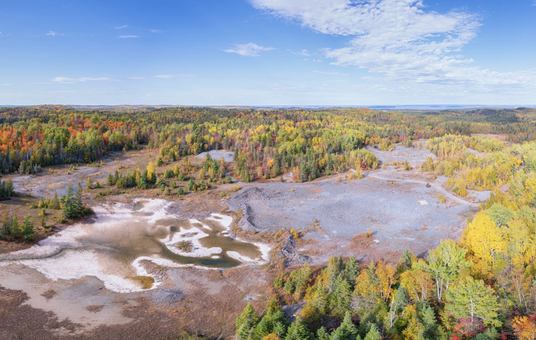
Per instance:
{"type": "Point", "coordinates": [287, 252]}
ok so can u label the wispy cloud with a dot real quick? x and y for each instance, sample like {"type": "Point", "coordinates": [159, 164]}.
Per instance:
{"type": "Point", "coordinates": [330, 73]}
{"type": "Point", "coordinates": [248, 50]}
{"type": "Point", "coordinates": [5, 84]}
{"type": "Point", "coordinates": [136, 78]}
{"type": "Point", "coordinates": [53, 34]}
{"type": "Point", "coordinates": [121, 27]}
{"type": "Point", "coordinates": [130, 36]}
{"type": "Point", "coordinates": [170, 76]}
{"type": "Point", "coordinates": [66, 80]}
{"type": "Point", "coordinates": [303, 53]}
{"type": "Point", "coordinates": [397, 38]}
{"type": "Point", "coordinates": [155, 31]}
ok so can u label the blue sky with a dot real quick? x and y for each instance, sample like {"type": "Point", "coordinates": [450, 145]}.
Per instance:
{"type": "Point", "coordinates": [268, 52]}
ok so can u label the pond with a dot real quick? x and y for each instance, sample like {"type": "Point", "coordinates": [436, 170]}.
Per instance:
{"type": "Point", "coordinates": [118, 244]}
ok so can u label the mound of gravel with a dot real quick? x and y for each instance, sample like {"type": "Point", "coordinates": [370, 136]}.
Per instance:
{"type": "Point", "coordinates": [227, 155]}
{"type": "Point", "coordinates": [401, 154]}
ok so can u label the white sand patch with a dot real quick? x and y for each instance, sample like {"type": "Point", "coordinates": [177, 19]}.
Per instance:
{"type": "Point", "coordinates": [88, 249]}
{"type": "Point", "coordinates": [224, 220]}
{"type": "Point", "coordinates": [77, 264]}
{"type": "Point", "coordinates": [193, 236]}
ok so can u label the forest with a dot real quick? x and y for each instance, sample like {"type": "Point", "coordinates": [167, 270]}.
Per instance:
{"type": "Point", "coordinates": [482, 287]}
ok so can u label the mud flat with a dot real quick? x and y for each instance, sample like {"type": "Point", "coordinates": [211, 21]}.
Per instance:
{"type": "Point", "coordinates": [118, 244]}
{"type": "Point", "coordinates": [122, 275]}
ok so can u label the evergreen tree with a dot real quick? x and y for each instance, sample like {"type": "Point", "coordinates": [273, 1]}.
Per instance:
{"type": "Point", "coordinates": [322, 334]}
{"type": "Point", "coordinates": [15, 227]}
{"type": "Point", "coordinates": [78, 200]}
{"type": "Point", "coordinates": [351, 271]}
{"type": "Point", "coordinates": [69, 208]}
{"type": "Point", "coordinates": [346, 331]}
{"type": "Point", "coordinates": [246, 321]}
{"type": "Point", "coordinates": [55, 202]}
{"type": "Point", "coordinates": [373, 333]}
{"type": "Point", "coordinates": [298, 331]}
{"type": "Point", "coordinates": [279, 329]}
{"type": "Point", "coordinates": [27, 229]}
{"type": "Point", "coordinates": [429, 321]}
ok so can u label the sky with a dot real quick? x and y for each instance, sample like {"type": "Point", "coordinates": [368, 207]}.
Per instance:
{"type": "Point", "coordinates": [268, 52]}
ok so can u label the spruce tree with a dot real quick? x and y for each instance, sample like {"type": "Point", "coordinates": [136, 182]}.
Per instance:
{"type": "Point", "coordinates": [373, 333]}
{"type": "Point", "coordinates": [27, 229]}
{"type": "Point", "coordinates": [298, 331]}
{"type": "Point", "coordinates": [352, 270]}
{"type": "Point", "coordinates": [55, 202]}
{"type": "Point", "coordinates": [346, 331]}
{"type": "Point", "coordinates": [246, 321]}
{"type": "Point", "coordinates": [15, 227]}
{"type": "Point", "coordinates": [322, 334]}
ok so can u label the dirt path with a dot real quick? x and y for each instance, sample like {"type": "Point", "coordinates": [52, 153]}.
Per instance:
{"type": "Point", "coordinates": [435, 185]}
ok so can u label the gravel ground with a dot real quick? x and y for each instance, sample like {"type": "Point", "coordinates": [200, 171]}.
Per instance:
{"type": "Point", "coordinates": [345, 209]}
{"type": "Point", "coordinates": [227, 155]}
{"type": "Point", "coordinates": [401, 154]}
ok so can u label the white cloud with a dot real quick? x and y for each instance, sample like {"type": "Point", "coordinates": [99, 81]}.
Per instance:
{"type": "Point", "coordinates": [128, 36]}
{"type": "Point", "coordinates": [155, 31]}
{"type": "Point", "coordinates": [5, 84]}
{"type": "Point", "coordinates": [136, 78]}
{"type": "Point", "coordinates": [53, 34]}
{"type": "Point", "coordinates": [248, 50]}
{"type": "Point", "coordinates": [330, 73]}
{"type": "Point", "coordinates": [397, 38]}
{"type": "Point", "coordinates": [65, 80]}
{"type": "Point", "coordinates": [303, 53]}
{"type": "Point", "coordinates": [121, 27]}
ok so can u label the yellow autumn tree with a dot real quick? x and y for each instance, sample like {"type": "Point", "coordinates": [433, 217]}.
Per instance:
{"type": "Point", "coordinates": [150, 170]}
{"type": "Point", "coordinates": [417, 283]}
{"type": "Point", "coordinates": [484, 238]}
{"type": "Point", "coordinates": [386, 276]}
{"type": "Point", "coordinates": [524, 328]}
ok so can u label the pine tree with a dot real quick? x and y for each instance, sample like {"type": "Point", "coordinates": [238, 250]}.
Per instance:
{"type": "Point", "coordinates": [346, 331]}
{"type": "Point", "coordinates": [55, 202]}
{"type": "Point", "coordinates": [429, 321]}
{"type": "Point", "coordinates": [15, 227]}
{"type": "Point", "coordinates": [27, 229]}
{"type": "Point", "coordinates": [322, 334]}
{"type": "Point", "coordinates": [373, 333]}
{"type": "Point", "coordinates": [351, 271]}
{"type": "Point", "coordinates": [279, 329]}
{"type": "Point", "coordinates": [298, 331]}
{"type": "Point", "coordinates": [246, 321]}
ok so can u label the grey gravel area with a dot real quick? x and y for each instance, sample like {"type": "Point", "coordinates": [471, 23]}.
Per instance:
{"type": "Point", "coordinates": [227, 155]}
{"type": "Point", "coordinates": [401, 154]}
{"type": "Point", "coordinates": [348, 208]}
{"type": "Point", "coordinates": [480, 196]}
{"type": "Point", "coordinates": [166, 296]}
